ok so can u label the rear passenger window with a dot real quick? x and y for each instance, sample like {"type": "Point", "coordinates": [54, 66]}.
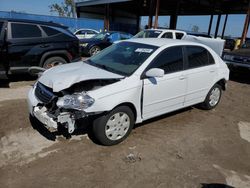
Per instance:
{"type": "Point", "coordinates": [179, 35]}
{"type": "Point", "coordinates": [168, 35]}
{"type": "Point", "coordinates": [25, 30]}
{"type": "Point", "coordinates": [50, 31]}
{"type": "Point", "coordinates": [170, 60]}
{"type": "Point", "coordinates": [198, 57]}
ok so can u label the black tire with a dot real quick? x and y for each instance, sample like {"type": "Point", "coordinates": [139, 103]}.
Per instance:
{"type": "Point", "coordinates": [94, 50]}
{"type": "Point", "coordinates": [54, 61]}
{"type": "Point", "coordinates": [100, 126]}
{"type": "Point", "coordinates": [206, 105]}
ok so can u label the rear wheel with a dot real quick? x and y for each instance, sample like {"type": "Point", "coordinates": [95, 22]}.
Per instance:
{"type": "Point", "coordinates": [94, 50]}
{"type": "Point", "coordinates": [114, 127]}
{"type": "Point", "coordinates": [53, 61]}
{"type": "Point", "coordinates": [213, 98]}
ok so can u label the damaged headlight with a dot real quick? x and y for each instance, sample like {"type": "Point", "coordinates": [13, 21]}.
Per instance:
{"type": "Point", "coordinates": [77, 101]}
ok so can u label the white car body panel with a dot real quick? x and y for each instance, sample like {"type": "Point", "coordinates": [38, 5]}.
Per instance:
{"type": "Point", "coordinates": [158, 98]}
{"type": "Point", "coordinates": [159, 95]}
{"type": "Point", "coordinates": [63, 76]}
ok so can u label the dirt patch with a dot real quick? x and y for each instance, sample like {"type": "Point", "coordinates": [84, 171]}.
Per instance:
{"type": "Point", "coordinates": [244, 128]}
{"type": "Point", "coordinates": [175, 150]}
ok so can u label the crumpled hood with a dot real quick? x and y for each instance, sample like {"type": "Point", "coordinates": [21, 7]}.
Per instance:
{"type": "Point", "coordinates": [63, 76]}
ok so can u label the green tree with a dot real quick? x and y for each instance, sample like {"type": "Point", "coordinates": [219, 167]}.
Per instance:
{"type": "Point", "coordinates": [66, 8]}
{"type": "Point", "coordinates": [195, 28]}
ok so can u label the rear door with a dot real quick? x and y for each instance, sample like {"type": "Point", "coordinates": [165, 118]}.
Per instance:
{"type": "Point", "coordinates": [24, 42]}
{"type": "Point", "coordinates": [201, 72]}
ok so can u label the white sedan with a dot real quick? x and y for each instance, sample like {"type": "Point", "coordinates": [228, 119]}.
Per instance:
{"type": "Point", "coordinates": [85, 33]}
{"type": "Point", "coordinates": [127, 83]}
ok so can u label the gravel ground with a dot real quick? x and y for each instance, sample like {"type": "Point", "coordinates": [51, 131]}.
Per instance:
{"type": "Point", "coordinates": [187, 148]}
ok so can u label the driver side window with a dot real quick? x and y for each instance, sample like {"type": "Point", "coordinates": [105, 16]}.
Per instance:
{"type": "Point", "coordinates": [170, 60]}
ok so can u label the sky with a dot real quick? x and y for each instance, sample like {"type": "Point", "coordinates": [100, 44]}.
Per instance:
{"type": "Point", "coordinates": [234, 25]}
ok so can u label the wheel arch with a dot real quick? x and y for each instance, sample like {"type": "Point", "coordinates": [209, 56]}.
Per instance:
{"type": "Point", "coordinates": [131, 106]}
{"type": "Point", "coordinates": [60, 53]}
{"type": "Point", "coordinates": [222, 82]}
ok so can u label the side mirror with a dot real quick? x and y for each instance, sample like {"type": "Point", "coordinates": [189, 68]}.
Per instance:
{"type": "Point", "coordinates": [155, 72]}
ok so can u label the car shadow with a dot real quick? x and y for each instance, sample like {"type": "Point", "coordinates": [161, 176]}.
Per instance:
{"type": "Point", "coordinates": [215, 185]}
{"type": "Point", "coordinates": [164, 116]}
{"type": "Point", "coordinates": [83, 127]}
{"type": "Point", "coordinates": [241, 76]}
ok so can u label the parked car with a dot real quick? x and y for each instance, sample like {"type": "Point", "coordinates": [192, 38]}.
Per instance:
{"type": "Point", "coordinates": [168, 33]}
{"type": "Point", "coordinates": [25, 43]}
{"type": "Point", "coordinates": [161, 33]}
{"type": "Point", "coordinates": [238, 59]}
{"type": "Point", "coordinates": [100, 41]}
{"type": "Point", "coordinates": [85, 33]}
{"type": "Point", "coordinates": [127, 83]}
{"type": "Point", "coordinates": [198, 34]}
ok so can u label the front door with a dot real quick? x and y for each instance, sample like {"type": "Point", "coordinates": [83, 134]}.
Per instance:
{"type": "Point", "coordinates": [165, 94]}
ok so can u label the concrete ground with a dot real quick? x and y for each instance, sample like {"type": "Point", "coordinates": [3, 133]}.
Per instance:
{"type": "Point", "coordinates": [188, 148]}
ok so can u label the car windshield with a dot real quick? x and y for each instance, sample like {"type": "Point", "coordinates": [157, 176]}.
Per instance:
{"type": "Point", "coordinates": [148, 34]}
{"type": "Point", "coordinates": [122, 58]}
{"type": "Point", "coordinates": [101, 35]}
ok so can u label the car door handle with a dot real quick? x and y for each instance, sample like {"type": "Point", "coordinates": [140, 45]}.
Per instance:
{"type": "Point", "coordinates": [182, 77]}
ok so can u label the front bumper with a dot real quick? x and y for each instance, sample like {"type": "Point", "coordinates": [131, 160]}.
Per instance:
{"type": "Point", "coordinates": [41, 113]}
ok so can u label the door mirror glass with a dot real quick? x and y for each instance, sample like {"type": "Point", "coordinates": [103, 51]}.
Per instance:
{"type": "Point", "coordinates": [155, 72]}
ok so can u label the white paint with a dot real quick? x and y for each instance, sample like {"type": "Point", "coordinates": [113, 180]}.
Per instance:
{"type": "Point", "coordinates": [161, 95]}
{"type": "Point", "coordinates": [233, 178]}
{"type": "Point", "coordinates": [23, 146]}
{"type": "Point", "coordinates": [244, 128]}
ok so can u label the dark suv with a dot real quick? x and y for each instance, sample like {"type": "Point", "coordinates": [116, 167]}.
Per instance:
{"type": "Point", "coordinates": [25, 43]}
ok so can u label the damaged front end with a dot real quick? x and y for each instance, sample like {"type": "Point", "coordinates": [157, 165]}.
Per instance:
{"type": "Point", "coordinates": [64, 107]}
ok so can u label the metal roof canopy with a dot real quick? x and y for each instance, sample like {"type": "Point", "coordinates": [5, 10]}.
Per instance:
{"type": "Point", "coordinates": [181, 7]}
{"type": "Point", "coordinates": [111, 9]}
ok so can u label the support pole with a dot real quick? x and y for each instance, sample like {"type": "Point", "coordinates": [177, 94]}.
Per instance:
{"type": "Point", "coordinates": [173, 21]}
{"type": "Point", "coordinates": [106, 18]}
{"type": "Point", "coordinates": [138, 23]}
{"type": "Point", "coordinates": [246, 26]}
{"type": "Point", "coordinates": [210, 24]}
{"type": "Point", "coordinates": [157, 13]}
{"type": "Point", "coordinates": [224, 26]}
{"type": "Point", "coordinates": [217, 26]}
{"type": "Point", "coordinates": [150, 18]}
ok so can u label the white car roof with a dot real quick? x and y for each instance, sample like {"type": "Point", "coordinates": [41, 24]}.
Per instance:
{"type": "Point", "coordinates": [171, 30]}
{"type": "Point", "coordinates": [162, 41]}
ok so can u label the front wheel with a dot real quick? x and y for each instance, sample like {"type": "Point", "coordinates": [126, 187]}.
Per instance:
{"type": "Point", "coordinates": [213, 98]}
{"type": "Point", "coordinates": [114, 127]}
